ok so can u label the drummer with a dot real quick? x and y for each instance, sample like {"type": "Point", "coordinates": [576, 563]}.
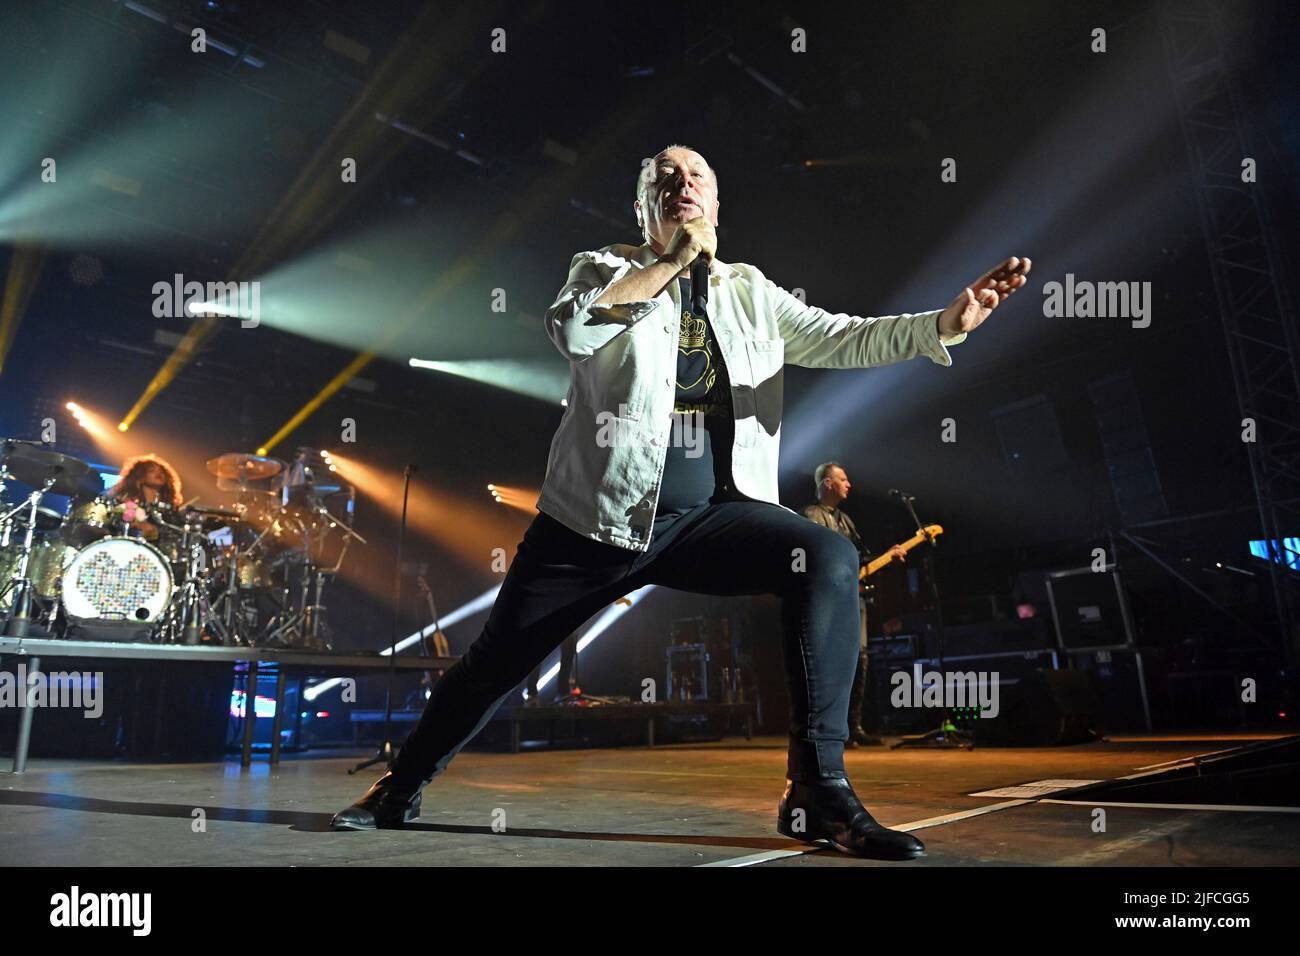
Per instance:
{"type": "Point", "coordinates": [144, 483]}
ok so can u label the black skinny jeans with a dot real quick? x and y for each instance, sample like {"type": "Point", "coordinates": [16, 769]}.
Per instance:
{"type": "Point", "coordinates": [559, 580]}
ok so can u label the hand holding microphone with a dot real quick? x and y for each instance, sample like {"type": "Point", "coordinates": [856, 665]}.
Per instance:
{"type": "Point", "coordinates": [694, 239]}
{"type": "Point", "coordinates": [694, 244]}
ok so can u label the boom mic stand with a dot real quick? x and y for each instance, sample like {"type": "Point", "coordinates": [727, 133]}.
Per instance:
{"type": "Point", "coordinates": [385, 753]}
{"type": "Point", "coordinates": [946, 736]}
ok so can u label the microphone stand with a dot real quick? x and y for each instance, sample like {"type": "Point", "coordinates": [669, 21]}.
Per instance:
{"type": "Point", "coordinates": [946, 736]}
{"type": "Point", "coordinates": [386, 753]}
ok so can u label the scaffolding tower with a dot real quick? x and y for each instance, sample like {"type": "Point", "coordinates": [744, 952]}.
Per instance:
{"type": "Point", "coordinates": [1249, 282]}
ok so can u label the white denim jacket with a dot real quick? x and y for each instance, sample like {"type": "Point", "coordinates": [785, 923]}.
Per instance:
{"type": "Point", "coordinates": [623, 360]}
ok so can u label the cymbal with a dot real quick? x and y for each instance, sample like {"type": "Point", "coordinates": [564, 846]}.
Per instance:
{"type": "Point", "coordinates": [35, 466]}
{"type": "Point", "coordinates": [238, 466]}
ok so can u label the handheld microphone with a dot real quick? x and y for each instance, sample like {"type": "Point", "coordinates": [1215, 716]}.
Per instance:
{"type": "Point", "coordinates": [700, 285]}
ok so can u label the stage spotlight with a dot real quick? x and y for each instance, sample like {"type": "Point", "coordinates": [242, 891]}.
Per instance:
{"type": "Point", "coordinates": [543, 380]}
{"type": "Point", "coordinates": [521, 499]}
{"type": "Point", "coordinates": [480, 603]}
{"type": "Point", "coordinates": [85, 420]}
{"type": "Point", "coordinates": [601, 625]}
{"type": "Point", "coordinates": [100, 428]}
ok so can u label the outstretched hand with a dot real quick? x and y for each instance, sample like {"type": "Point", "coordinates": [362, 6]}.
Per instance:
{"type": "Point", "coordinates": [975, 302]}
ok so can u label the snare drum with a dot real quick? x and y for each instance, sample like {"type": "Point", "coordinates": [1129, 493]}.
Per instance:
{"type": "Point", "coordinates": [117, 580]}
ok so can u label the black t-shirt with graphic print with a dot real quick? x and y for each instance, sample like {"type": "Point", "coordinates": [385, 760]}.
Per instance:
{"type": "Point", "coordinates": [697, 468]}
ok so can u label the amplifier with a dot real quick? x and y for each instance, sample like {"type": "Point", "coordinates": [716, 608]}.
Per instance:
{"type": "Point", "coordinates": [1045, 708]}
{"type": "Point", "coordinates": [898, 647]}
{"type": "Point", "coordinates": [1089, 608]}
{"type": "Point", "coordinates": [878, 716]}
{"type": "Point", "coordinates": [1121, 677]}
{"type": "Point", "coordinates": [998, 637]}
{"type": "Point", "coordinates": [1037, 705]}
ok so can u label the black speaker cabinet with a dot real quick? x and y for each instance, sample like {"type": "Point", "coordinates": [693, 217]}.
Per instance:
{"type": "Point", "coordinates": [1089, 608]}
{"type": "Point", "coordinates": [1045, 708]}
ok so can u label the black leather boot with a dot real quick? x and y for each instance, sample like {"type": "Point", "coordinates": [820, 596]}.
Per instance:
{"type": "Point", "coordinates": [385, 805]}
{"type": "Point", "coordinates": [833, 812]}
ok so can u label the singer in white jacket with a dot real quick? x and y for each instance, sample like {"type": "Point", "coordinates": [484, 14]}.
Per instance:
{"type": "Point", "coordinates": [664, 471]}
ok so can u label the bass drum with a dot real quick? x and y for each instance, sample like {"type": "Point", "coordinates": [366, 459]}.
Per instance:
{"type": "Point", "coordinates": [117, 581]}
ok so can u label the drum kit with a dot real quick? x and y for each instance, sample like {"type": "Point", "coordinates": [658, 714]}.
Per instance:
{"type": "Point", "coordinates": [251, 573]}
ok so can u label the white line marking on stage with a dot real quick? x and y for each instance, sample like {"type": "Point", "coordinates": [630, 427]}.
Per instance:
{"type": "Point", "coordinates": [961, 815]}
{"type": "Point", "coordinates": [757, 858]}
{"type": "Point", "coordinates": [938, 821]}
{"type": "Point", "coordinates": [1175, 806]}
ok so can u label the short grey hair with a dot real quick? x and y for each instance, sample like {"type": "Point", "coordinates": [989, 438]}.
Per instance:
{"type": "Point", "coordinates": [823, 469]}
{"type": "Point", "coordinates": [642, 180]}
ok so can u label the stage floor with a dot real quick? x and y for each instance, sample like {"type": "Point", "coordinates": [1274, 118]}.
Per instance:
{"type": "Point", "coordinates": [685, 805]}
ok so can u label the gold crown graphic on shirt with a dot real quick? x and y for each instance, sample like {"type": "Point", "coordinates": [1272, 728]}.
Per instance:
{"type": "Point", "coordinates": [693, 331]}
